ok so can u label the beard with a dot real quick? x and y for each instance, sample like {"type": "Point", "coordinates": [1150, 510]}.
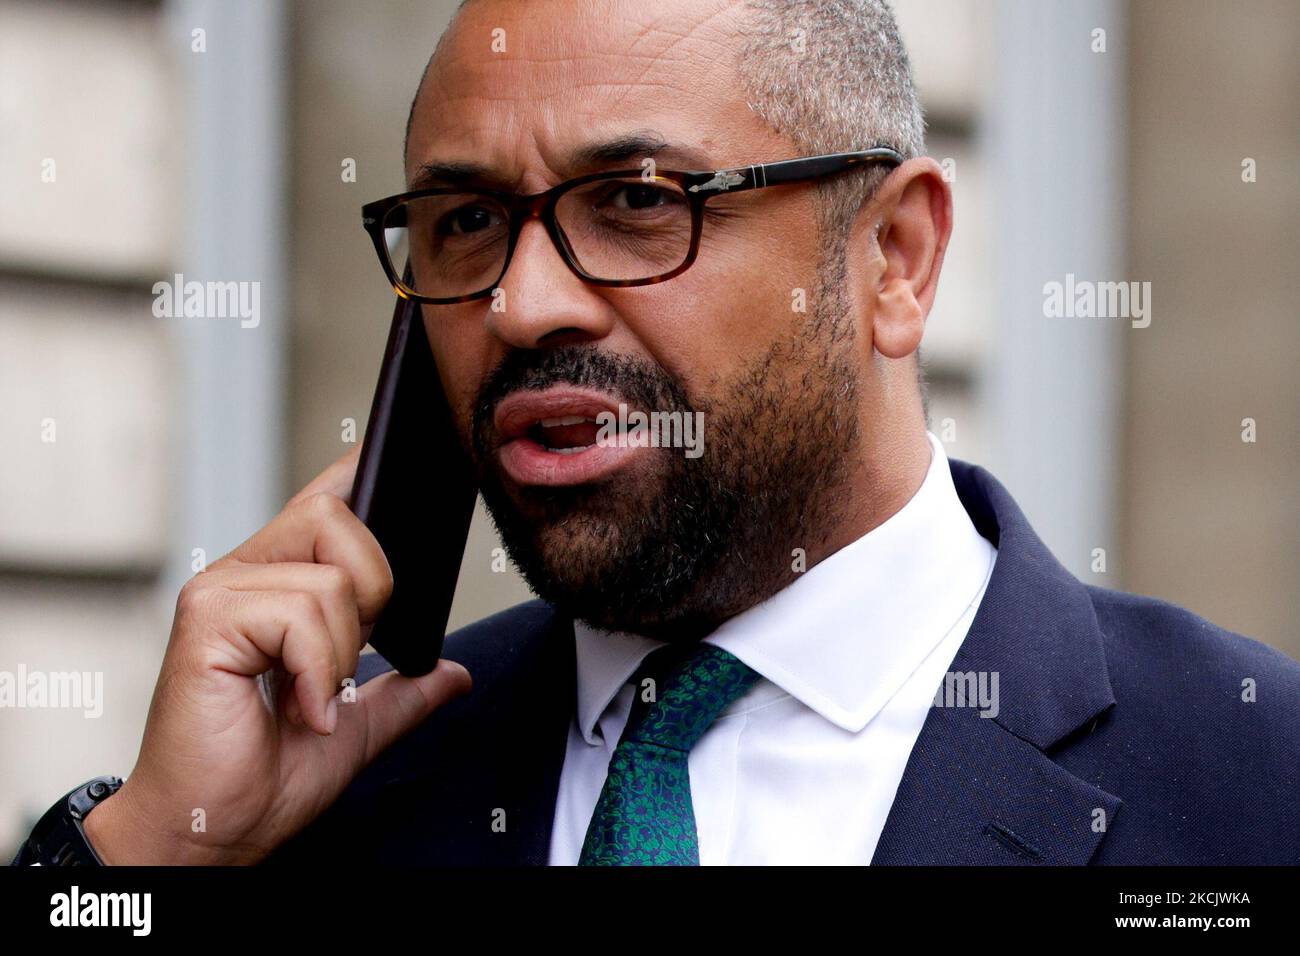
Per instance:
{"type": "Point", "coordinates": [673, 546]}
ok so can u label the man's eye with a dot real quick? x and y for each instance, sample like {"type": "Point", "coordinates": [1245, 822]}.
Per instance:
{"type": "Point", "coordinates": [632, 196]}
{"type": "Point", "coordinates": [466, 220]}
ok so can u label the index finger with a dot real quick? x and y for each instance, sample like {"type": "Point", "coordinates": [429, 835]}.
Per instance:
{"type": "Point", "coordinates": [320, 529]}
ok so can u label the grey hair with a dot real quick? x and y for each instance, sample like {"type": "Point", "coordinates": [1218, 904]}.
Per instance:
{"type": "Point", "coordinates": [833, 77]}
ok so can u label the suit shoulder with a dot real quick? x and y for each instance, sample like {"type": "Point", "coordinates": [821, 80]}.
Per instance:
{"type": "Point", "coordinates": [1177, 663]}
{"type": "Point", "coordinates": [1203, 743]}
{"type": "Point", "coordinates": [1157, 633]}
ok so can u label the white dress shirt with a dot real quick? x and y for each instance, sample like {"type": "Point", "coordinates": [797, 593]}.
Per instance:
{"type": "Point", "coordinates": [803, 767]}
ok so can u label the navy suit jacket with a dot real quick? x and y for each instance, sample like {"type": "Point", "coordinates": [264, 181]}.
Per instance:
{"type": "Point", "coordinates": [1122, 737]}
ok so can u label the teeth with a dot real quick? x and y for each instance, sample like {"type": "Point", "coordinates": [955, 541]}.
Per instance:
{"type": "Point", "coordinates": [566, 420]}
{"type": "Point", "coordinates": [569, 451]}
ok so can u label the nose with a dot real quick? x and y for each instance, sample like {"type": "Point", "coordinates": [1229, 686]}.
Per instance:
{"type": "Point", "coordinates": [540, 302]}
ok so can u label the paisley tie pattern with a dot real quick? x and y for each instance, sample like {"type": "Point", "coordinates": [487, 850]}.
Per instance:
{"type": "Point", "coordinates": [644, 816]}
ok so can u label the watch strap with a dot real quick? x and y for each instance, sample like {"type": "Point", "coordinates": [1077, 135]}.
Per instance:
{"type": "Point", "coordinates": [58, 838]}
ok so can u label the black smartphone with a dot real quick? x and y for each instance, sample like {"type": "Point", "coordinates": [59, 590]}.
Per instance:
{"type": "Point", "coordinates": [415, 491]}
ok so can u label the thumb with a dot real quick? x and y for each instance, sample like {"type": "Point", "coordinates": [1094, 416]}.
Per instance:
{"type": "Point", "coordinates": [392, 705]}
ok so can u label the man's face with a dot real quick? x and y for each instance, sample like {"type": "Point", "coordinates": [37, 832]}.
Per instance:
{"type": "Point", "coordinates": [642, 539]}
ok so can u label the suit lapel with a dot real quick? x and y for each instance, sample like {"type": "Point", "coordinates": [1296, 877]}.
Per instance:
{"type": "Point", "coordinates": [975, 794]}
{"type": "Point", "coordinates": [985, 789]}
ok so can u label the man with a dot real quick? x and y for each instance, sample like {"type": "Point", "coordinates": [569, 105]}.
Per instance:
{"type": "Point", "coordinates": [818, 641]}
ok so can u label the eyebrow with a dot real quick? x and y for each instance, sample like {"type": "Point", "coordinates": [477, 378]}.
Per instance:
{"type": "Point", "coordinates": [638, 145]}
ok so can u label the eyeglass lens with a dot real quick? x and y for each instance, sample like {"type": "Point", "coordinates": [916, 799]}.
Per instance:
{"type": "Point", "coordinates": [616, 229]}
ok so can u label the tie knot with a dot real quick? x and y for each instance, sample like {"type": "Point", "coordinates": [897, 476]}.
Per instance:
{"type": "Point", "coordinates": [692, 685]}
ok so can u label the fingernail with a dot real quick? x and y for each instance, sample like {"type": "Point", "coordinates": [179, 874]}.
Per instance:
{"type": "Point", "coordinates": [332, 714]}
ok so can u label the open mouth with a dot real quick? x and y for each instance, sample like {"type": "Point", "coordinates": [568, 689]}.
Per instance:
{"type": "Point", "coordinates": [550, 436]}
{"type": "Point", "coordinates": [566, 435]}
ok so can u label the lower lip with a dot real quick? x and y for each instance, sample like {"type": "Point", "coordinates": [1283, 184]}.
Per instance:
{"type": "Point", "coordinates": [529, 463]}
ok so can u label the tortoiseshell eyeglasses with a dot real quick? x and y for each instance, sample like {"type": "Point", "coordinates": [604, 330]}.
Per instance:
{"type": "Point", "coordinates": [622, 228]}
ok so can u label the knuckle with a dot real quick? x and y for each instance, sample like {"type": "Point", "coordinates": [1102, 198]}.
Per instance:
{"type": "Point", "coordinates": [303, 608]}
{"type": "Point", "coordinates": [325, 507]}
{"type": "Point", "coordinates": [337, 583]}
{"type": "Point", "coordinates": [195, 599]}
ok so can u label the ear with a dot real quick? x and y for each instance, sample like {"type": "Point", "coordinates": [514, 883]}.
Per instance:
{"type": "Point", "coordinates": [913, 210]}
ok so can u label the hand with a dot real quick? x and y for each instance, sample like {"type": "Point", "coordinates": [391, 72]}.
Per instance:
{"type": "Point", "coordinates": [292, 603]}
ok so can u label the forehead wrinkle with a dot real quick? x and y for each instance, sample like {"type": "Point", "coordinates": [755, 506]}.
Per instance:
{"type": "Point", "coordinates": [495, 89]}
{"type": "Point", "coordinates": [505, 125]}
{"type": "Point", "coordinates": [547, 111]}
{"type": "Point", "coordinates": [619, 147]}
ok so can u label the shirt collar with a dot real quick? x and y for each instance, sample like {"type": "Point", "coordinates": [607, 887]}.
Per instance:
{"type": "Point", "coordinates": [847, 633]}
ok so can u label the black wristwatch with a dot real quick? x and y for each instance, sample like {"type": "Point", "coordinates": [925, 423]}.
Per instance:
{"type": "Point", "coordinates": [58, 838]}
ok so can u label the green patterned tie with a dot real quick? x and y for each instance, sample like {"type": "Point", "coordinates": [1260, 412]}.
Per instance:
{"type": "Point", "coordinates": [644, 816]}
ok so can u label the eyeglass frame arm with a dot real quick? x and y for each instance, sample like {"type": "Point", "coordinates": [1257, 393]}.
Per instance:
{"type": "Point", "coordinates": [761, 175]}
